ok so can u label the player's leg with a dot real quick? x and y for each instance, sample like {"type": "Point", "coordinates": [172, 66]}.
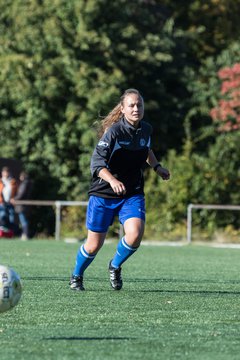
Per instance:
{"type": "Point", "coordinates": [99, 217]}
{"type": "Point", "coordinates": [86, 254]}
{"type": "Point", "coordinates": [88, 251]}
{"type": "Point", "coordinates": [129, 243]}
{"type": "Point", "coordinates": [132, 215]}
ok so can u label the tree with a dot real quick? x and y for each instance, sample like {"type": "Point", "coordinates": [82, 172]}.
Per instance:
{"type": "Point", "coordinates": [204, 85]}
{"type": "Point", "coordinates": [65, 62]}
{"type": "Point", "coordinates": [212, 25]}
{"type": "Point", "coordinates": [227, 112]}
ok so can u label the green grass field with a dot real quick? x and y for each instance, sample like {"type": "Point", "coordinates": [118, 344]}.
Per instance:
{"type": "Point", "coordinates": [176, 303]}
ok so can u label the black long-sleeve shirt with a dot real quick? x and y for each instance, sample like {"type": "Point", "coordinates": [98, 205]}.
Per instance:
{"type": "Point", "coordinates": [123, 150]}
{"type": "Point", "coordinates": [23, 193]}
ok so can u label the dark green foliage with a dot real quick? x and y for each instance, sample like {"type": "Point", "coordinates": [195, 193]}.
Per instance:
{"type": "Point", "coordinates": [205, 89]}
{"type": "Point", "coordinates": [212, 25]}
{"type": "Point", "coordinates": [64, 63]}
{"type": "Point", "coordinates": [210, 178]}
{"type": "Point", "coordinates": [167, 201]}
{"type": "Point", "coordinates": [218, 178]}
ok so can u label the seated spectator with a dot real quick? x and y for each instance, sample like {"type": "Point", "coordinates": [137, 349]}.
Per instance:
{"type": "Point", "coordinates": [8, 189]}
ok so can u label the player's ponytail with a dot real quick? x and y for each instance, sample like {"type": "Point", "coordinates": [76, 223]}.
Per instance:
{"type": "Point", "coordinates": [115, 114]}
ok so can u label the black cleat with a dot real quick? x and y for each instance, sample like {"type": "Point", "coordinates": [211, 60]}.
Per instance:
{"type": "Point", "coordinates": [115, 277]}
{"type": "Point", "coordinates": [76, 283]}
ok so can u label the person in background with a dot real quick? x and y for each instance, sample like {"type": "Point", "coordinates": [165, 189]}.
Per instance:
{"type": "Point", "coordinates": [8, 189]}
{"type": "Point", "coordinates": [23, 193]}
{"type": "Point", "coordinates": [117, 186]}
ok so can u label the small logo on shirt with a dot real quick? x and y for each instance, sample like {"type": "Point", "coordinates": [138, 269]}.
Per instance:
{"type": "Point", "coordinates": [124, 142]}
{"type": "Point", "coordinates": [142, 142]}
{"type": "Point", "coordinates": [103, 143]}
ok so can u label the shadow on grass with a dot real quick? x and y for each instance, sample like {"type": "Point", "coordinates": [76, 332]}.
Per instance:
{"type": "Point", "coordinates": [152, 281]}
{"type": "Point", "coordinates": [98, 338]}
{"type": "Point", "coordinates": [195, 292]}
{"type": "Point", "coordinates": [136, 280]}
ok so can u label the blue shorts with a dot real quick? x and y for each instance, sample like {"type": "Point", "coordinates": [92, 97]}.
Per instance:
{"type": "Point", "coordinates": [101, 212]}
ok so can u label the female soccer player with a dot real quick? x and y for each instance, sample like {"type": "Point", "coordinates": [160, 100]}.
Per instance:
{"type": "Point", "coordinates": [117, 186]}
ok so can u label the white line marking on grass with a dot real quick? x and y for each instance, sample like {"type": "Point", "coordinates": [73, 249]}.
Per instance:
{"type": "Point", "coordinates": [227, 246]}
{"type": "Point", "coordinates": [162, 243]}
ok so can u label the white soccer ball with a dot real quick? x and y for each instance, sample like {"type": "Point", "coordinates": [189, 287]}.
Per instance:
{"type": "Point", "coordinates": [10, 288]}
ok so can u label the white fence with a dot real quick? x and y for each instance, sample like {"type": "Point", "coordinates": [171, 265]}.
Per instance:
{"type": "Point", "coordinates": [199, 206]}
{"type": "Point", "coordinates": [58, 205]}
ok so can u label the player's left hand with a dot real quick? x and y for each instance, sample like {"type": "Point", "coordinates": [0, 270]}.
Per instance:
{"type": "Point", "coordinates": [164, 173]}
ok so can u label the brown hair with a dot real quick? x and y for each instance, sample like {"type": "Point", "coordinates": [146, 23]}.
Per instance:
{"type": "Point", "coordinates": [115, 114]}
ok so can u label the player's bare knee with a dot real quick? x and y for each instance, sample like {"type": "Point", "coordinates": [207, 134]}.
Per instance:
{"type": "Point", "coordinates": [133, 238]}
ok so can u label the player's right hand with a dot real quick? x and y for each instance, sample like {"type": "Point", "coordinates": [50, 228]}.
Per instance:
{"type": "Point", "coordinates": [118, 187]}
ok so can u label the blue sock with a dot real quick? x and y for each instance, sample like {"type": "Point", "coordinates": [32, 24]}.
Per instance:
{"type": "Point", "coordinates": [124, 251]}
{"type": "Point", "coordinates": [83, 260]}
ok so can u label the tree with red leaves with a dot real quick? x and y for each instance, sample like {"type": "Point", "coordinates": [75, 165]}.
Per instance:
{"type": "Point", "coordinates": [227, 112]}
